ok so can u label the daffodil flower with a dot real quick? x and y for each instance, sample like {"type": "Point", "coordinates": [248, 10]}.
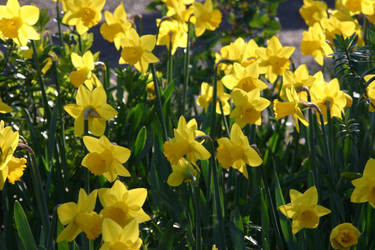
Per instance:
{"type": "Point", "coordinates": [313, 11]}
{"type": "Point", "coordinates": [364, 187]}
{"type": "Point", "coordinates": [93, 106]}
{"type": "Point", "coordinates": [205, 97]}
{"type": "Point", "coordinates": [85, 65]}
{"type": "Point", "coordinates": [104, 158]}
{"type": "Point", "coordinates": [137, 51]}
{"type": "Point", "coordinates": [236, 152]}
{"type": "Point", "coordinates": [16, 22]}
{"type": "Point", "coordinates": [122, 205]}
{"type": "Point", "coordinates": [303, 209]}
{"type": "Point", "coordinates": [344, 236]}
{"type": "Point", "coordinates": [206, 17]}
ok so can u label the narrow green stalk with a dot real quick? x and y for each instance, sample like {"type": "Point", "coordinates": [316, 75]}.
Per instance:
{"type": "Point", "coordinates": [6, 213]}
{"type": "Point", "coordinates": [219, 211]}
{"type": "Point", "coordinates": [58, 19]}
{"type": "Point", "coordinates": [326, 147]}
{"type": "Point", "coordinates": [196, 199]}
{"type": "Point", "coordinates": [273, 208]}
{"type": "Point", "coordinates": [80, 44]}
{"type": "Point", "coordinates": [170, 64]}
{"type": "Point", "coordinates": [39, 194]}
{"type": "Point", "coordinates": [186, 67]}
{"type": "Point", "coordinates": [160, 106]}
{"type": "Point", "coordinates": [213, 114]}
{"type": "Point", "coordinates": [41, 82]}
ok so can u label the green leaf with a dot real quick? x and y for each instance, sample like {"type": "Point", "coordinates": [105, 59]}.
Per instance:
{"type": "Point", "coordinates": [23, 227]}
{"type": "Point", "coordinates": [140, 141]}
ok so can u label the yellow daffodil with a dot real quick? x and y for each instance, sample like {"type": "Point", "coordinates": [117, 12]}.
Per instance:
{"type": "Point", "coordinates": [80, 217]}
{"type": "Point", "coordinates": [16, 22]}
{"type": "Point", "coordinates": [364, 187]}
{"type": "Point", "coordinates": [4, 108]}
{"type": "Point", "coordinates": [182, 171]}
{"type": "Point", "coordinates": [122, 205]}
{"type": "Point", "coordinates": [236, 152]}
{"type": "Point", "coordinates": [299, 78]}
{"type": "Point", "coordinates": [105, 158]}
{"type": "Point", "coordinates": [344, 16]}
{"type": "Point", "coordinates": [344, 236]}
{"type": "Point", "coordinates": [11, 168]}
{"type": "Point", "coordinates": [303, 209]}
{"type": "Point", "coordinates": [214, 247]}
{"type": "Point", "coordinates": [359, 6]}
{"type": "Point", "coordinates": [93, 105]}
{"type": "Point", "coordinates": [237, 51]}
{"type": "Point", "coordinates": [83, 14]}
{"type": "Point", "coordinates": [117, 237]}
{"type": "Point", "coordinates": [184, 143]}
{"type": "Point", "coordinates": [206, 17]}
{"type": "Point", "coordinates": [314, 44]}
{"type": "Point", "coordinates": [333, 26]}
{"type": "Point", "coordinates": [172, 32]}
{"type": "Point", "coordinates": [370, 91]}
{"type": "Point", "coordinates": [249, 106]}
{"type": "Point", "coordinates": [275, 58]}
{"type": "Point", "coordinates": [116, 26]}
{"type": "Point", "coordinates": [205, 97]}
{"type": "Point", "coordinates": [137, 50]}
{"type": "Point", "coordinates": [84, 65]}
{"type": "Point", "coordinates": [328, 95]}
{"type": "Point", "coordinates": [313, 11]}
{"type": "Point", "coordinates": [245, 78]}
{"type": "Point", "coordinates": [290, 107]}
{"type": "Point", "coordinates": [178, 9]}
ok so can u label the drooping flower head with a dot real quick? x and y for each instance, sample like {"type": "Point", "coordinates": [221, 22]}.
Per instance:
{"type": "Point", "coordinates": [16, 22]}
{"type": "Point", "coordinates": [297, 79]}
{"type": "Point", "coordinates": [344, 236]}
{"type": "Point", "coordinates": [303, 209]}
{"type": "Point", "coordinates": [245, 78]}
{"type": "Point", "coordinates": [205, 97]}
{"type": "Point", "coordinates": [184, 143]}
{"type": "Point", "coordinates": [83, 14]}
{"type": "Point", "coordinates": [80, 217]}
{"type": "Point", "coordinates": [275, 58]}
{"type": "Point", "coordinates": [93, 105]}
{"type": "Point", "coordinates": [182, 171]}
{"type": "Point", "coordinates": [364, 187]}
{"type": "Point", "coordinates": [206, 17]}
{"type": "Point", "coordinates": [123, 205]}
{"type": "Point", "coordinates": [116, 25]}
{"type": "Point", "coordinates": [172, 32]}
{"type": "Point", "coordinates": [313, 11]}
{"type": "Point", "coordinates": [137, 50]}
{"type": "Point", "coordinates": [327, 95]}
{"type": "Point", "coordinates": [292, 106]}
{"type": "Point", "coordinates": [105, 158]}
{"type": "Point", "coordinates": [11, 168]}
{"type": "Point", "coordinates": [236, 152]}
{"type": "Point", "coordinates": [248, 107]}
{"type": "Point", "coordinates": [314, 44]}
{"type": "Point", "coordinates": [85, 65]}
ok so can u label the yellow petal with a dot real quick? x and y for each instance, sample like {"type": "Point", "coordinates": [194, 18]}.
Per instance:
{"type": "Point", "coordinates": [29, 14]}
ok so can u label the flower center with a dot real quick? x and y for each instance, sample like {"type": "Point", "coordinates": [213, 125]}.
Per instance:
{"type": "Point", "coordinates": [309, 219]}
{"type": "Point", "coordinates": [87, 16]}
{"type": "Point", "coordinates": [247, 84]}
{"type": "Point", "coordinates": [346, 238]}
{"type": "Point", "coordinates": [10, 26]}
{"type": "Point", "coordinates": [132, 54]}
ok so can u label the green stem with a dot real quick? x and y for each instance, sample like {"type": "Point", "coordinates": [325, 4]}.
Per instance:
{"type": "Point", "coordinates": [219, 211]}
{"type": "Point", "coordinates": [5, 222]}
{"type": "Point", "coordinates": [158, 97]}
{"type": "Point", "coordinates": [39, 194]}
{"type": "Point", "coordinates": [58, 18]}
{"type": "Point", "coordinates": [86, 132]}
{"type": "Point", "coordinates": [186, 68]}
{"type": "Point", "coordinates": [196, 196]}
{"type": "Point", "coordinates": [214, 99]}
{"type": "Point", "coordinates": [41, 82]}
{"type": "Point", "coordinates": [170, 64]}
{"type": "Point", "coordinates": [326, 147]}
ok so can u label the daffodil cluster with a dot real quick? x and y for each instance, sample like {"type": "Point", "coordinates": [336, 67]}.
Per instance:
{"type": "Point", "coordinates": [118, 220]}
{"type": "Point", "coordinates": [324, 24]}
